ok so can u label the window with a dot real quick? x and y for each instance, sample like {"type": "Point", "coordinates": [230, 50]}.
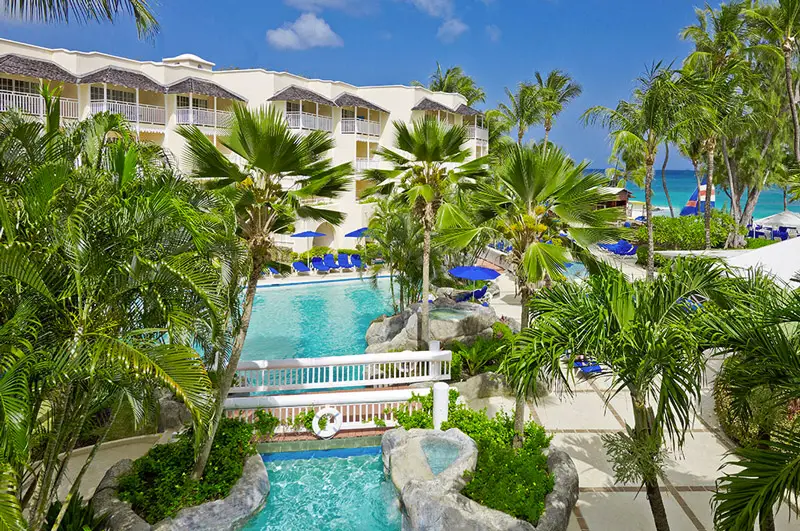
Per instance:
{"type": "Point", "coordinates": [348, 113]}
{"type": "Point", "coordinates": [16, 85]}
{"type": "Point", "coordinates": [292, 106]}
{"type": "Point", "coordinates": [183, 103]}
{"type": "Point", "coordinates": [124, 96]}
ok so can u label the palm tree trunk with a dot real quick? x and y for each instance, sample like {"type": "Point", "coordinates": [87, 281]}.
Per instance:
{"type": "Point", "coordinates": [519, 406]}
{"type": "Point", "coordinates": [426, 275]}
{"type": "Point", "coordinates": [230, 370]}
{"type": "Point", "coordinates": [657, 506]}
{"type": "Point", "coordinates": [664, 179]}
{"type": "Point", "coordinates": [712, 146]}
{"type": "Point", "coordinates": [520, 134]}
{"type": "Point", "coordinates": [648, 201]}
{"type": "Point", "coordinates": [643, 420]}
{"type": "Point", "coordinates": [546, 136]}
{"type": "Point", "coordinates": [785, 200]}
{"type": "Point", "coordinates": [697, 173]}
{"type": "Point", "coordinates": [788, 48]}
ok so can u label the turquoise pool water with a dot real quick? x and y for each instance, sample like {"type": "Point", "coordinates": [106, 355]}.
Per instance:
{"type": "Point", "coordinates": [440, 454]}
{"type": "Point", "coordinates": [314, 320]}
{"type": "Point", "coordinates": [332, 490]}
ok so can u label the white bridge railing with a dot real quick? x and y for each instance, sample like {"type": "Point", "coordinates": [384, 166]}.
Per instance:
{"type": "Point", "coordinates": [361, 370]}
{"type": "Point", "coordinates": [359, 409]}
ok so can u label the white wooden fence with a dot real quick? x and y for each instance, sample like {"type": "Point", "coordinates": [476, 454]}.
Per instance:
{"type": "Point", "coordinates": [395, 368]}
{"type": "Point", "coordinates": [359, 409]}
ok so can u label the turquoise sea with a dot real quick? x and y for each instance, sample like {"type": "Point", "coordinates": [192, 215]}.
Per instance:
{"type": "Point", "coordinates": [681, 184]}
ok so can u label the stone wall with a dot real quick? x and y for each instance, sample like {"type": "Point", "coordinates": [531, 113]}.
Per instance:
{"type": "Point", "coordinates": [247, 497]}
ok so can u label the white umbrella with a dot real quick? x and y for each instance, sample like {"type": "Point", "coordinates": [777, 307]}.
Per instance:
{"type": "Point", "coordinates": [781, 219]}
{"type": "Point", "coordinates": [780, 259]}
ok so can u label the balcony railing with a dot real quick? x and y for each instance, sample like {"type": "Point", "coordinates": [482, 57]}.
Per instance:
{"type": "Point", "coordinates": [146, 114]}
{"type": "Point", "coordinates": [304, 120]}
{"type": "Point", "coordinates": [34, 104]}
{"type": "Point", "coordinates": [204, 117]}
{"type": "Point", "coordinates": [365, 164]}
{"type": "Point", "coordinates": [362, 127]}
{"type": "Point", "coordinates": [478, 133]}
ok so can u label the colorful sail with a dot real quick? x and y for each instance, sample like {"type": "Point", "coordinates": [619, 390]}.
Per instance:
{"type": "Point", "coordinates": [697, 201]}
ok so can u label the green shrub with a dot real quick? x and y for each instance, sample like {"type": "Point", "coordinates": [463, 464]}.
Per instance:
{"type": "Point", "coordinates": [311, 253]}
{"type": "Point", "coordinates": [484, 354]}
{"type": "Point", "coordinates": [757, 243]}
{"type": "Point", "coordinates": [160, 483]}
{"type": "Point", "coordinates": [371, 253]}
{"type": "Point", "coordinates": [305, 420]}
{"type": "Point", "coordinates": [455, 367]}
{"type": "Point", "coordinates": [687, 232]}
{"type": "Point", "coordinates": [79, 517]}
{"type": "Point", "coordinates": [658, 260]}
{"type": "Point", "coordinates": [349, 252]}
{"type": "Point", "coordinates": [266, 423]}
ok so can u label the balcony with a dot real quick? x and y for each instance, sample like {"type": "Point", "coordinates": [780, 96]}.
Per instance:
{"type": "Point", "coordinates": [362, 127]}
{"type": "Point", "coordinates": [204, 117]}
{"type": "Point", "coordinates": [478, 133]}
{"type": "Point", "coordinates": [308, 121]}
{"type": "Point", "coordinates": [362, 164]}
{"type": "Point", "coordinates": [33, 104]}
{"type": "Point", "coordinates": [143, 114]}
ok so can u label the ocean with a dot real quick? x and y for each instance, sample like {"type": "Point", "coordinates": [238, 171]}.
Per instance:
{"type": "Point", "coordinates": [681, 185]}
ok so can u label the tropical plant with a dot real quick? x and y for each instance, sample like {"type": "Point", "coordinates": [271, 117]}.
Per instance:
{"type": "Point", "coordinates": [536, 197]}
{"type": "Point", "coordinates": [456, 81]}
{"type": "Point", "coordinates": [85, 10]}
{"type": "Point", "coordinates": [425, 179]}
{"type": "Point", "coordinates": [645, 333]}
{"type": "Point", "coordinates": [555, 91]}
{"type": "Point", "coordinates": [109, 277]}
{"type": "Point", "coordinates": [264, 207]}
{"type": "Point", "coordinates": [523, 110]}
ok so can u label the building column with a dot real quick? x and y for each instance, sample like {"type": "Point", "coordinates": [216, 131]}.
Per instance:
{"type": "Point", "coordinates": [215, 120]}
{"type": "Point", "coordinates": [41, 100]}
{"type": "Point", "coordinates": [105, 97]}
{"type": "Point", "coordinates": [316, 119]}
{"type": "Point", "coordinates": [191, 112]}
{"type": "Point", "coordinates": [138, 129]}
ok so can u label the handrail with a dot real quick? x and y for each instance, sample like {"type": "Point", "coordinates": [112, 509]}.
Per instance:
{"type": "Point", "coordinates": [323, 399]}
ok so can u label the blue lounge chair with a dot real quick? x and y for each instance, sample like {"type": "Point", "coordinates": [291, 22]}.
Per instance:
{"type": "Point", "coordinates": [274, 272]}
{"type": "Point", "coordinates": [627, 224]}
{"type": "Point", "coordinates": [330, 262]}
{"type": "Point", "coordinates": [344, 263]}
{"type": "Point", "coordinates": [588, 368]}
{"type": "Point", "coordinates": [300, 267]}
{"type": "Point", "coordinates": [509, 248]}
{"type": "Point", "coordinates": [318, 265]}
{"type": "Point", "coordinates": [356, 259]}
{"type": "Point", "coordinates": [478, 294]}
{"type": "Point", "coordinates": [631, 251]}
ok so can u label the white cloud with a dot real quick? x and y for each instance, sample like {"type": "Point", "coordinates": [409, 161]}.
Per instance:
{"type": "Point", "coordinates": [352, 6]}
{"type": "Point", "coordinates": [308, 31]}
{"type": "Point", "coordinates": [435, 8]}
{"type": "Point", "coordinates": [451, 29]}
{"type": "Point", "coordinates": [493, 32]}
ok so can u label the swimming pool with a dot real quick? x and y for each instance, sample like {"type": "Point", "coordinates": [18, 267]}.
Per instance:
{"type": "Point", "coordinates": [330, 490]}
{"type": "Point", "coordinates": [314, 320]}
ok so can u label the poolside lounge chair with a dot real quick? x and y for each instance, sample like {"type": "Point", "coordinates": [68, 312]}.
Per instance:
{"type": "Point", "coordinates": [588, 368]}
{"type": "Point", "coordinates": [479, 294]}
{"type": "Point", "coordinates": [274, 272]}
{"type": "Point", "coordinates": [344, 263]}
{"type": "Point", "coordinates": [300, 268]}
{"type": "Point", "coordinates": [330, 262]}
{"type": "Point", "coordinates": [318, 265]}
{"type": "Point", "coordinates": [356, 259]}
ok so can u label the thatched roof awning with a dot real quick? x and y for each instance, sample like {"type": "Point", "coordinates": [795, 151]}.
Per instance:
{"type": "Point", "coordinates": [19, 65]}
{"type": "Point", "coordinates": [123, 78]}
{"type": "Point", "coordinates": [201, 86]}
{"type": "Point", "coordinates": [429, 105]}
{"type": "Point", "coordinates": [293, 92]}
{"type": "Point", "coordinates": [345, 99]}
{"type": "Point", "coordinates": [466, 110]}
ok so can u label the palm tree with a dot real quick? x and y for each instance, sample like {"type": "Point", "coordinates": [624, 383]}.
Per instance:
{"type": "Point", "coordinates": [759, 338]}
{"type": "Point", "coordinates": [425, 180]}
{"type": "Point", "coordinates": [644, 124]}
{"type": "Point", "coordinates": [524, 109]}
{"type": "Point", "coordinates": [537, 195]}
{"type": "Point", "coordinates": [780, 23]}
{"type": "Point", "coordinates": [555, 92]}
{"type": "Point", "coordinates": [85, 10]}
{"type": "Point", "coordinates": [456, 81]}
{"type": "Point", "coordinates": [271, 152]}
{"type": "Point", "coordinates": [643, 332]}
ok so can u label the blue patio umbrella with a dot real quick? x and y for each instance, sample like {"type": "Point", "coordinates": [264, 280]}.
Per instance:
{"type": "Point", "coordinates": [358, 233]}
{"type": "Point", "coordinates": [308, 234]}
{"type": "Point", "coordinates": [474, 273]}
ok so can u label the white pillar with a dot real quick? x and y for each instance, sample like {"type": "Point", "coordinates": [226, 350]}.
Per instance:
{"type": "Point", "coordinates": [105, 97]}
{"type": "Point", "coordinates": [441, 399]}
{"type": "Point", "coordinates": [138, 130]}
{"type": "Point", "coordinates": [41, 101]}
{"type": "Point", "coordinates": [215, 120]}
{"type": "Point", "coordinates": [191, 112]}
{"type": "Point", "coordinates": [316, 119]}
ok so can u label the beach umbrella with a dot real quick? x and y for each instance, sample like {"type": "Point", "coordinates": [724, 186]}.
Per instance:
{"type": "Point", "coordinates": [474, 273]}
{"type": "Point", "coordinates": [781, 219]}
{"type": "Point", "coordinates": [308, 234]}
{"type": "Point", "coordinates": [358, 233]}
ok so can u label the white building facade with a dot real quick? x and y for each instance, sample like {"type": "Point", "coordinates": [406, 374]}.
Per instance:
{"type": "Point", "coordinates": [158, 96]}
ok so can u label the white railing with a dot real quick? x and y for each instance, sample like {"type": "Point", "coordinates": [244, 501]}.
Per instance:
{"type": "Point", "coordinates": [362, 127]}
{"type": "Point", "coordinates": [147, 114]}
{"type": "Point", "coordinates": [204, 117]}
{"type": "Point", "coordinates": [304, 120]}
{"type": "Point", "coordinates": [343, 371]}
{"type": "Point", "coordinates": [479, 133]}
{"type": "Point", "coordinates": [34, 104]}
{"type": "Point", "coordinates": [360, 410]}
{"type": "Point", "coordinates": [365, 164]}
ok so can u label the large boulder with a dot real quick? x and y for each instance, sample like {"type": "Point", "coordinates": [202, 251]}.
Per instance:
{"type": "Point", "coordinates": [172, 415]}
{"type": "Point", "coordinates": [484, 385]}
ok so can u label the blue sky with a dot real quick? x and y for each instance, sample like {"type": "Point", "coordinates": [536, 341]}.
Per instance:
{"type": "Point", "coordinates": [604, 44]}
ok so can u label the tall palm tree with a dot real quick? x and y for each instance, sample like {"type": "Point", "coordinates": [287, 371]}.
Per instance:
{"type": "Point", "coordinates": [780, 23]}
{"type": "Point", "coordinates": [555, 91]}
{"type": "Point", "coordinates": [643, 332]}
{"type": "Point", "coordinates": [435, 166]}
{"type": "Point", "coordinates": [85, 10]}
{"type": "Point", "coordinates": [537, 195]}
{"type": "Point", "coordinates": [456, 81]}
{"type": "Point", "coordinates": [644, 124]}
{"type": "Point", "coordinates": [523, 110]}
{"type": "Point", "coordinates": [271, 152]}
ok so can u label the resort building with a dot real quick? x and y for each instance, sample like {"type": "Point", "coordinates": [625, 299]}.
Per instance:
{"type": "Point", "coordinates": [158, 96]}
